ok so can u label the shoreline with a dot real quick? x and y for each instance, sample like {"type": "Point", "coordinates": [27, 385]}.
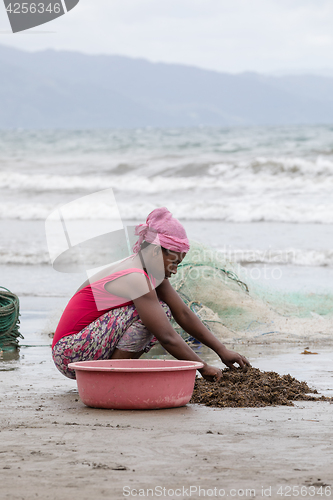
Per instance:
{"type": "Point", "coordinates": [53, 446]}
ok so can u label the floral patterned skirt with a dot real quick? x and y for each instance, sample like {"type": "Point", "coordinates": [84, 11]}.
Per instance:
{"type": "Point", "coordinates": [119, 328]}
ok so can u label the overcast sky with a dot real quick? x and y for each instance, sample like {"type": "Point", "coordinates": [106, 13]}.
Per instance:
{"type": "Point", "coordinates": [225, 35]}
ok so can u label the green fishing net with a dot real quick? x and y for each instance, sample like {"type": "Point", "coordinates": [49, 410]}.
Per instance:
{"type": "Point", "coordinates": [235, 307]}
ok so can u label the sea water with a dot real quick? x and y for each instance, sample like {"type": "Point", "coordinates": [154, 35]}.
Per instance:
{"type": "Point", "coordinates": [260, 197]}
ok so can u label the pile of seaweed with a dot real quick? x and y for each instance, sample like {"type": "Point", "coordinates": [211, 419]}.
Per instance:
{"type": "Point", "coordinates": [252, 388]}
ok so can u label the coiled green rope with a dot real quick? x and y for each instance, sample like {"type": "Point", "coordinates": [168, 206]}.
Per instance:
{"type": "Point", "coordinates": [9, 319]}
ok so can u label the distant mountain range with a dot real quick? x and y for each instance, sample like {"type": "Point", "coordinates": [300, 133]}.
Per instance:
{"type": "Point", "coordinates": [60, 89]}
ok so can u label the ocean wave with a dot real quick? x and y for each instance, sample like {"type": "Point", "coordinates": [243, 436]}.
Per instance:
{"type": "Point", "coordinates": [244, 257]}
{"type": "Point", "coordinates": [27, 258]}
{"type": "Point", "coordinates": [280, 165]}
{"type": "Point", "coordinates": [126, 183]}
{"type": "Point", "coordinates": [259, 172]}
{"type": "Point", "coordinates": [252, 211]}
{"type": "Point", "coordinates": [288, 256]}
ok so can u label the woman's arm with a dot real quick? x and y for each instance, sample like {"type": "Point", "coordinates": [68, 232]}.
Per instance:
{"type": "Point", "coordinates": [154, 318]}
{"type": "Point", "coordinates": [192, 325]}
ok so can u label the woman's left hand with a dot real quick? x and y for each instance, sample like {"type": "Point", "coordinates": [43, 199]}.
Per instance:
{"type": "Point", "coordinates": [230, 357]}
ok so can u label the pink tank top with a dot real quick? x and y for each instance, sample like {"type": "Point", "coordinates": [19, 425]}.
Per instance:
{"type": "Point", "coordinates": [90, 303]}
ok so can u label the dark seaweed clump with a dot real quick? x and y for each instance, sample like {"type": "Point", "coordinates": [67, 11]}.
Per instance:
{"type": "Point", "coordinates": [252, 388]}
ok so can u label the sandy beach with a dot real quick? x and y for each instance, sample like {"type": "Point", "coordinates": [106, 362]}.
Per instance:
{"type": "Point", "coordinates": [221, 112]}
{"type": "Point", "coordinates": [54, 447]}
{"type": "Point", "coordinates": [266, 208]}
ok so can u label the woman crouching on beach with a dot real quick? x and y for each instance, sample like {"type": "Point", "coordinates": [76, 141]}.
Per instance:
{"type": "Point", "coordinates": [126, 309]}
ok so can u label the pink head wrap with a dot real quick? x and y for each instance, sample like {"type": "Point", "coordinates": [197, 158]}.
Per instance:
{"type": "Point", "coordinates": [162, 229]}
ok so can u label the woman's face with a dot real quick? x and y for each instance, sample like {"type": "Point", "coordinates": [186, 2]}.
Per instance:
{"type": "Point", "coordinates": [161, 264]}
{"type": "Point", "coordinates": [171, 260]}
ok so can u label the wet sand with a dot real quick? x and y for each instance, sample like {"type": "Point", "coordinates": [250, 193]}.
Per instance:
{"type": "Point", "coordinates": [54, 447]}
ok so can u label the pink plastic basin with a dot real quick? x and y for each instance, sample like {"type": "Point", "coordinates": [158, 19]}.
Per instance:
{"type": "Point", "coordinates": [135, 384]}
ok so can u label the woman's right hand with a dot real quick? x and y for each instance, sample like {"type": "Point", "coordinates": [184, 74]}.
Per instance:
{"type": "Point", "coordinates": [211, 373]}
